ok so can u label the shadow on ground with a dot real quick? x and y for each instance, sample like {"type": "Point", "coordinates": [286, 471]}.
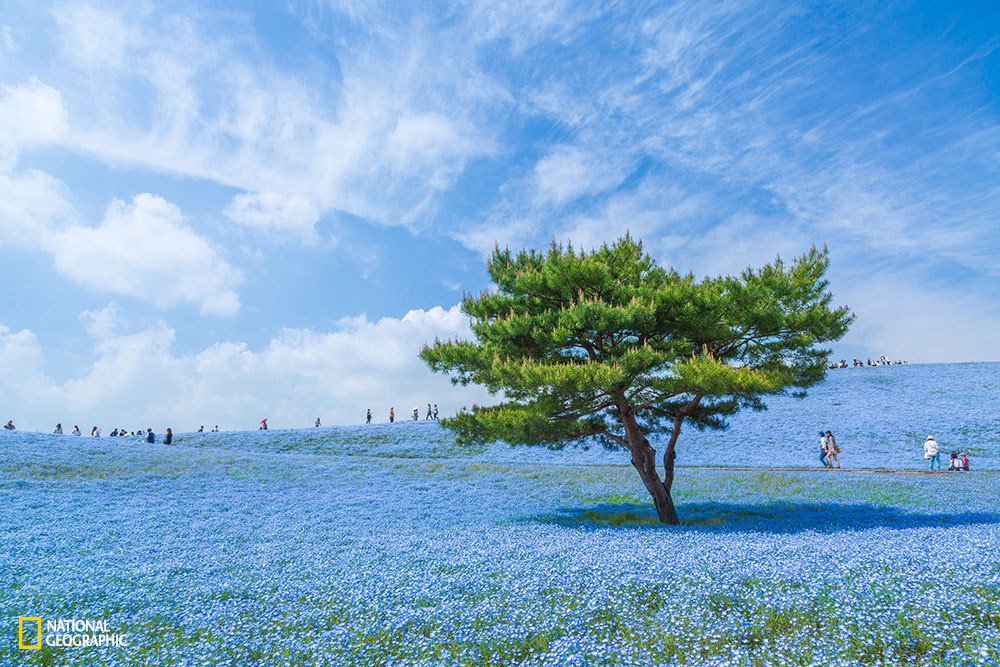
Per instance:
{"type": "Point", "coordinates": [775, 517]}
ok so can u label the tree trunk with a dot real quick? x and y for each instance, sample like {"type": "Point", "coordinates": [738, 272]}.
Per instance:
{"type": "Point", "coordinates": [644, 460]}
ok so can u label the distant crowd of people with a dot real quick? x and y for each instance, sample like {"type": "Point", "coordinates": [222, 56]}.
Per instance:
{"type": "Point", "coordinates": [95, 432]}
{"type": "Point", "coordinates": [148, 435]}
{"type": "Point", "coordinates": [857, 363]}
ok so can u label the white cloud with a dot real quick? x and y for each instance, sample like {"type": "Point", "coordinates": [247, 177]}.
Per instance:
{"type": "Point", "coordinates": [31, 201]}
{"type": "Point", "coordinates": [7, 38]}
{"type": "Point", "coordinates": [31, 204]}
{"type": "Point", "coordinates": [24, 387]}
{"type": "Point", "coordinates": [102, 324]}
{"type": "Point", "coordinates": [92, 35]}
{"type": "Point", "coordinates": [297, 376]}
{"type": "Point", "coordinates": [379, 136]}
{"type": "Point", "coordinates": [145, 250]}
{"type": "Point", "coordinates": [294, 214]}
{"type": "Point", "coordinates": [568, 172]}
{"type": "Point", "coordinates": [30, 113]}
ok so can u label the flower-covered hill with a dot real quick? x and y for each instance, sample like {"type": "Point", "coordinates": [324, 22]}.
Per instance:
{"type": "Point", "coordinates": [382, 546]}
{"type": "Point", "coordinates": [880, 416]}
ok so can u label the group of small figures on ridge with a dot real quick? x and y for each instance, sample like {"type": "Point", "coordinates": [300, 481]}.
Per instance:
{"type": "Point", "coordinates": [150, 437]}
{"type": "Point", "coordinates": [857, 363]}
{"type": "Point", "coordinates": [432, 414]}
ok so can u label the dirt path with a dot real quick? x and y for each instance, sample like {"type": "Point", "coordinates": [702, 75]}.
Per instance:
{"type": "Point", "coordinates": [832, 471]}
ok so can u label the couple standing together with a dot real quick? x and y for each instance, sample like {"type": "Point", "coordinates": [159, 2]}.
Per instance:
{"type": "Point", "coordinates": [828, 450]}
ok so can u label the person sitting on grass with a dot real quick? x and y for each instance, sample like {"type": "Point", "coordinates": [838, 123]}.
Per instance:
{"type": "Point", "coordinates": [954, 465]}
{"type": "Point", "coordinates": [963, 461]}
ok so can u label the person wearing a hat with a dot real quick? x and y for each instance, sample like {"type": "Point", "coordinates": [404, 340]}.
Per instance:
{"type": "Point", "coordinates": [931, 452]}
{"type": "Point", "coordinates": [822, 450]}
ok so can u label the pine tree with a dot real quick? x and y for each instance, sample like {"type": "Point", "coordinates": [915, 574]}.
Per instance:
{"type": "Point", "coordinates": [607, 345]}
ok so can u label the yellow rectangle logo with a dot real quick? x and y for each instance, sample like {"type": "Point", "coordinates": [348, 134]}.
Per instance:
{"type": "Point", "coordinates": [21, 644]}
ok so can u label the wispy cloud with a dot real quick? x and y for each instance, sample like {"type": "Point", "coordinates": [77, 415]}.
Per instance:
{"type": "Point", "coordinates": [385, 130]}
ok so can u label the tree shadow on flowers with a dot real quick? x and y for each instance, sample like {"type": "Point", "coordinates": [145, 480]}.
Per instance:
{"type": "Point", "coordinates": [773, 517]}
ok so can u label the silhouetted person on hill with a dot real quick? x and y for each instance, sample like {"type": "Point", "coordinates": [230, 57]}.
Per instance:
{"type": "Point", "coordinates": [435, 413]}
{"type": "Point", "coordinates": [368, 417]}
{"type": "Point", "coordinates": [58, 429]}
{"type": "Point", "coordinates": [430, 413]}
{"type": "Point", "coordinates": [263, 424]}
{"type": "Point", "coordinates": [201, 429]}
{"type": "Point", "coordinates": [317, 422]}
{"type": "Point", "coordinates": [169, 439]}
{"type": "Point", "coordinates": [10, 425]}
{"type": "Point", "coordinates": [416, 414]}
{"type": "Point", "coordinates": [392, 415]}
{"type": "Point", "coordinates": [150, 436]}
{"type": "Point", "coordinates": [216, 429]}
{"type": "Point", "coordinates": [76, 430]}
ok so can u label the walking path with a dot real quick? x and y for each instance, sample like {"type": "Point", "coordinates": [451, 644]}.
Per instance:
{"type": "Point", "coordinates": [875, 471]}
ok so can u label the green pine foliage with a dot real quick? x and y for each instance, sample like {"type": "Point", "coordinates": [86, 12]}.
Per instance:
{"type": "Point", "coordinates": [583, 344]}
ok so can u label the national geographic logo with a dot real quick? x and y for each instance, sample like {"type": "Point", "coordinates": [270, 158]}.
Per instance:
{"type": "Point", "coordinates": [29, 633]}
{"type": "Point", "coordinates": [66, 633]}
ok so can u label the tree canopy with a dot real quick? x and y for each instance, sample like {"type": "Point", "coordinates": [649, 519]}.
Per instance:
{"type": "Point", "coordinates": [609, 345]}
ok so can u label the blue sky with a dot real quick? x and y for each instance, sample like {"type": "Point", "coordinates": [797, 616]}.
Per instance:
{"type": "Point", "coordinates": [211, 213]}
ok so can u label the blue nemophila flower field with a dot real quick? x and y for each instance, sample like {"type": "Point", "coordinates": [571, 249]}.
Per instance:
{"type": "Point", "coordinates": [388, 545]}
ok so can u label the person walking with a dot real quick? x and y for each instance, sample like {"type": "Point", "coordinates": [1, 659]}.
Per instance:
{"type": "Point", "coordinates": [435, 415]}
{"type": "Point", "coordinates": [392, 415]}
{"type": "Point", "coordinates": [833, 448]}
{"type": "Point", "coordinates": [931, 452]}
{"type": "Point", "coordinates": [169, 439]}
{"type": "Point", "coordinates": [429, 413]}
{"type": "Point", "coordinates": [368, 417]}
{"type": "Point", "coordinates": [822, 450]}
{"type": "Point", "coordinates": [317, 422]}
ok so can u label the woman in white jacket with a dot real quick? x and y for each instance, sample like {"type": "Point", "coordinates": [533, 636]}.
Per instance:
{"type": "Point", "coordinates": [931, 452]}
